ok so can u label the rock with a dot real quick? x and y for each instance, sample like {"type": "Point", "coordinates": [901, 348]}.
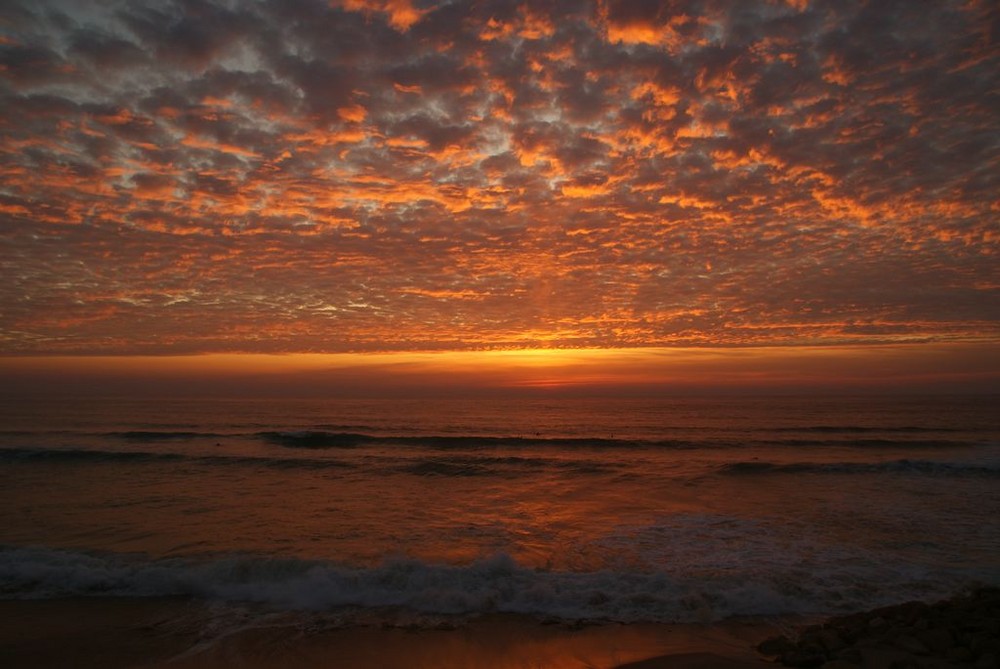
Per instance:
{"type": "Point", "coordinates": [850, 627]}
{"type": "Point", "coordinates": [984, 643]}
{"type": "Point", "coordinates": [890, 658]}
{"type": "Point", "coordinates": [872, 641]}
{"type": "Point", "coordinates": [909, 612]}
{"type": "Point", "coordinates": [850, 655]}
{"type": "Point", "coordinates": [987, 661]}
{"type": "Point", "coordinates": [935, 663]}
{"type": "Point", "coordinates": [910, 645]}
{"type": "Point", "coordinates": [937, 639]}
{"type": "Point", "coordinates": [959, 654]}
{"type": "Point", "coordinates": [830, 640]}
{"type": "Point", "coordinates": [878, 623]}
{"type": "Point", "coordinates": [775, 646]}
{"type": "Point", "coordinates": [840, 664]}
{"type": "Point", "coordinates": [963, 632]}
{"type": "Point", "coordinates": [808, 656]}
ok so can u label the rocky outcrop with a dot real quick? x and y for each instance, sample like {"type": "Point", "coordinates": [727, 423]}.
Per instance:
{"type": "Point", "coordinates": [960, 632]}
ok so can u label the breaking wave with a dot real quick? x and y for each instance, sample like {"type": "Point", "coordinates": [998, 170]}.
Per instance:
{"type": "Point", "coordinates": [494, 584]}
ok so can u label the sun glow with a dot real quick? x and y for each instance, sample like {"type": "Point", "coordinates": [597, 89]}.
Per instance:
{"type": "Point", "coordinates": [594, 371]}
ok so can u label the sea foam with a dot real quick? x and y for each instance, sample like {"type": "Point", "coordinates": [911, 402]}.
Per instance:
{"type": "Point", "coordinates": [494, 584]}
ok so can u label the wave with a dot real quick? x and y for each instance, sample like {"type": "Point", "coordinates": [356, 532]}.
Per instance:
{"type": "Point", "coordinates": [433, 466]}
{"type": "Point", "coordinates": [318, 439]}
{"type": "Point", "coordinates": [322, 439]}
{"type": "Point", "coordinates": [503, 466]}
{"type": "Point", "coordinates": [872, 443]}
{"type": "Point", "coordinates": [891, 466]}
{"type": "Point", "coordinates": [144, 436]}
{"type": "Point", "coordinates": [494, 584]}
{"type": "Point", "coordinates": [83, 455]}
{"type": "Point", "coordinates": [163, 435]}
{"type": "Point", "coordinates": [863, 429]}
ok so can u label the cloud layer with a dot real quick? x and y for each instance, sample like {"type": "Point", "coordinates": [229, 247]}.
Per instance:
{"type": "Point", "coordinates": [296, 175]}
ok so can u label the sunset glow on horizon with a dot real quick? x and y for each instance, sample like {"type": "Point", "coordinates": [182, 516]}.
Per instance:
{"type": "Point", "coordinates": [533, 195]}
{"type": "Point", "coordinates": [558, 372]}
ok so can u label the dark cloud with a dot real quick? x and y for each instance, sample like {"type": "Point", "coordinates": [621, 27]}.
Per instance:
{"type": "Point", "coordinates": [190, 33]}
{"type": "Point", "coordinates": [27, 65]}
{"type": "Point", "coordinates": [105, 52]}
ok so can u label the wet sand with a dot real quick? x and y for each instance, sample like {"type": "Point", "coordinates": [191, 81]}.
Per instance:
{"type": "Point", "coordinates": [93, 633]}
{"type": "Point", "coordinates": [110, 633]}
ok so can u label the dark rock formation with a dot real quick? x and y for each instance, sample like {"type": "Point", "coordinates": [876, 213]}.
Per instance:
{"type": "Point", "coordinates": [960, 632]}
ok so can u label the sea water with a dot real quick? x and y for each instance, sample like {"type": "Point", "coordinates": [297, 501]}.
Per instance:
{"type": "Point", "coordinates": [675, 509]}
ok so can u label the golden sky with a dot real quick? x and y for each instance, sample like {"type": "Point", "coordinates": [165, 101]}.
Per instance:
{"type": "Point", "coordinates": [299, 176]}
{"type": "Point", "coordinates": [517, 372]}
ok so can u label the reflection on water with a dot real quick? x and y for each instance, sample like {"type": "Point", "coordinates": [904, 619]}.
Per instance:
{"type": "Point", "coordinates": [733, 503]}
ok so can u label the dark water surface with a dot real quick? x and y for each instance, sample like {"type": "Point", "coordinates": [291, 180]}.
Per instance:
{"type": "Point", "coordinates": [666, 510]}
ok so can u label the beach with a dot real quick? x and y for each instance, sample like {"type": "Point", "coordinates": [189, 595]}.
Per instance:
{"type": "Point", "coordinates": [183, 634]}
{"type": "Point", "coordinates": [177, 633]}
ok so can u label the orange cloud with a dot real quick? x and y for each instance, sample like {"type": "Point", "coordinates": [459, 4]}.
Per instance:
{"type": "Point", "coordinates": [388, 176]}
{"type": "Point", "coordinates": [401, 14]}
{"type": "Point", "coordinates": [353, 113]}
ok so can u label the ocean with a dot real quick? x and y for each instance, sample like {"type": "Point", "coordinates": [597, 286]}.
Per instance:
{"type": "Point", "coordinates": [660, 510]}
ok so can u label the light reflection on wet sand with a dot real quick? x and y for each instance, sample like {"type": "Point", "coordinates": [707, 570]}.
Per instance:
{"type": "Point", "coordinates": [178, 634]}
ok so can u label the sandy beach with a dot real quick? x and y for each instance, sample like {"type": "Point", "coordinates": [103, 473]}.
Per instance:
{"type": "Point", "coordinates": [176, 633]}
{"type": "Point", "coordinates": [110, 633]}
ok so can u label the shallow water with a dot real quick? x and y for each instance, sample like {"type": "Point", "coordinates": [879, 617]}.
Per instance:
{"type": "Point", "coordinates": [667, 510]}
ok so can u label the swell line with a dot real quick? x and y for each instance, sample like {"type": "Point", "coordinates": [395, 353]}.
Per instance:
{"type": "Point", "coordinates": [904, 466]}
{"type": "Point", "coordinates": [71, 455]}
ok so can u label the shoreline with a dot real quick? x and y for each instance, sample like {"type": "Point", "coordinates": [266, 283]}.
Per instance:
{"type": "Point", "coordinates": [181, 633]}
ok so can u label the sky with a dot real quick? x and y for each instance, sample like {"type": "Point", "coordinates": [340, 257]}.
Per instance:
{"type": "Point", "coordinates": [782, 181]}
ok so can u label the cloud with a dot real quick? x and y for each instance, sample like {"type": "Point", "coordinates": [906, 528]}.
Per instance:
{"type": "Point", "coordinates": [400, 14]}
{"type": "Point", "coordinates": [197, 175]}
